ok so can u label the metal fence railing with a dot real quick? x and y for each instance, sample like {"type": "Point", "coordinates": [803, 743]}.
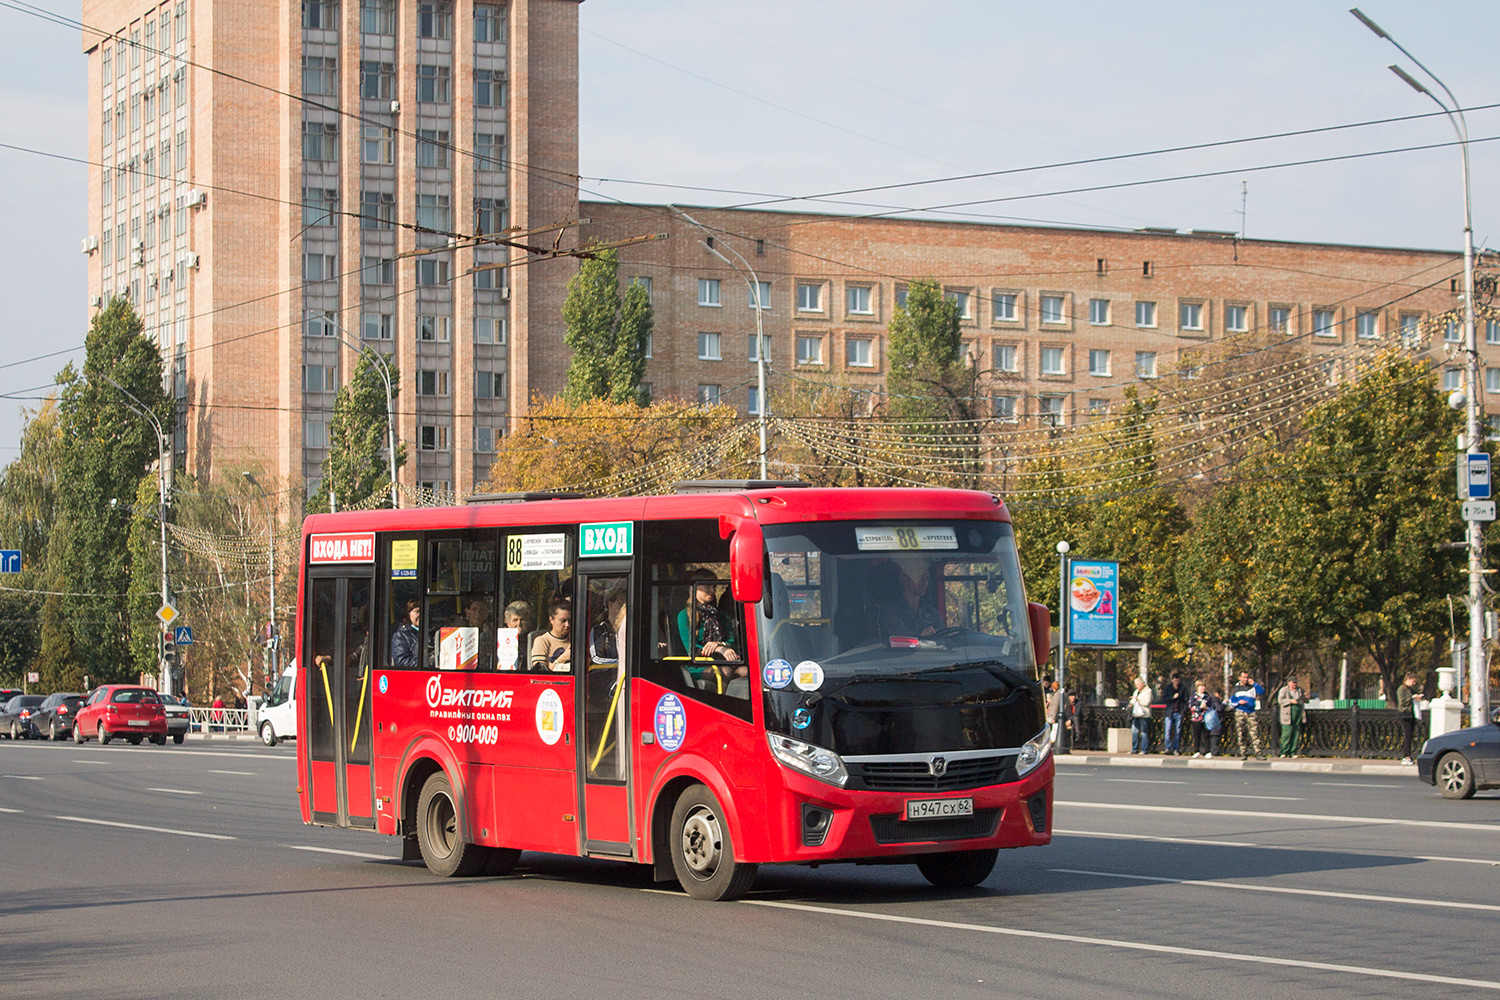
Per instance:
{"type": "Point", "coordinates": [220, 720]}
{"type": "Point", "coordinates": [1326, 732]}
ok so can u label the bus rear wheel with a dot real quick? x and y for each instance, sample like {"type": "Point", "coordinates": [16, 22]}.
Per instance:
{"type": "Point", "coordinates": [446, 848]}
{"type": "Point", "coordinates": [957, 869]}
{"type": "Point", "coordinates": [702, 852]}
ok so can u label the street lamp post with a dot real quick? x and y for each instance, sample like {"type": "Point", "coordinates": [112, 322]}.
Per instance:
{"type": "Point", "coordinates": [163, 486]}
{"type": "Point", "coordinates": [1479, 674]}
{"type": "Point", "coordinates": [390, 417]}
{"type": "Point", "coordinates": [1062, 612]}
{"type": "Point", "coordinates": [760, 337]}
{"type": "Point", "coordinates": [272, 636]}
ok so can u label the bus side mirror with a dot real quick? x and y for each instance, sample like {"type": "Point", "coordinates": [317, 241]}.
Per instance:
{"type": "Point", "coordinates": [747, 554]}
{"type": "Point", "coordinates": [1041, 632]}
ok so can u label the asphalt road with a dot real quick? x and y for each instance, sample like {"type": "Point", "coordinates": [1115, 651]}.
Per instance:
{"type": "Point", "coordinates": [186, 872]}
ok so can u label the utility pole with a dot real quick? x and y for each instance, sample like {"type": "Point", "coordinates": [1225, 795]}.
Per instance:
{"type": "Point", "coordinates": [1062, 612]}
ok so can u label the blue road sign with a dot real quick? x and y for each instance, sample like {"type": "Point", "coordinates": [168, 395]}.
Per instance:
{"type": "Point", "coordinates": [1479, 476]}
{"type": "Point", "coordinates": [10, 560]}
{"type": "Point", "coordinates": [182, 635]}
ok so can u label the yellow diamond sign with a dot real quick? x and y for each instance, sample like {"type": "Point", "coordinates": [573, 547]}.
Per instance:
{"type": "Point", "coordinates": [167, 614]}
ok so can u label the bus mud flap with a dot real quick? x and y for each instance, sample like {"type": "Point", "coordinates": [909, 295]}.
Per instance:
{"type": "Point", "coordinates": [410, 849]}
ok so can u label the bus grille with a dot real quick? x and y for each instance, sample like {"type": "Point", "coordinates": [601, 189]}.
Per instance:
{"type": "Point", "coordinates": [914, 776]}
{"type": "Point", "coordinates": [892, 829]}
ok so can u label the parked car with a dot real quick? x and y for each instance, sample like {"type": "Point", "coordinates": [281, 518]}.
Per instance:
{"type": "Point", "coordinates": [15, 717]}
{"type": "Point", "coordinates": [278, 713]}
{"type": "Point", "coordinates": [53, 720]}
{"type": "Point", "coordinates": [179, 718]}
{"type": "Point", "coordinates": [1462, 762]}
{"type": "Point", "coordinates": [6, 694]}
{"type": "Point", "coordinates": [124, 710]}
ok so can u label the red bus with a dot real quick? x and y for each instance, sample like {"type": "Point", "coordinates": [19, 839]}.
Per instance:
{"type": "Point", "coordinates": [738, 674]}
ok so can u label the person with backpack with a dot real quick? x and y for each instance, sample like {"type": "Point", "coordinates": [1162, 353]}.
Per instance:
{"type": "Point", "coordinates": [1203, 713]}
{"type": "Point", "coordinates": [1244, 699]}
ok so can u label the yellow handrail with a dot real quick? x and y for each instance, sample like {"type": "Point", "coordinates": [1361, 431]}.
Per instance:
{"type": "Point", "coordinates": [608, 719]}
{"type": "Point", "coordinates": [360, 714]}
{"type": "Point", "coordinates": [327, 691]}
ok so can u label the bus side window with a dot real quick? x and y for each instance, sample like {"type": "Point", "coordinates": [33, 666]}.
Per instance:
{"type": "Point", "coordinates": [537, 581]}
{"type": "Point", "coordinates": [401, 648]}
{"type": "Point", "coordinates": [458, 622]}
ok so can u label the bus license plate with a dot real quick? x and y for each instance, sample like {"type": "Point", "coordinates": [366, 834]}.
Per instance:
{"type": "Point", "coordinates": [938, 808]}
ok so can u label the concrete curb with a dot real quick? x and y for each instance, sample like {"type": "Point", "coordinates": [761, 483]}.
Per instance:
{"type": "Point", "coordinates": [224, 736]}
{"type": "Point", "coordinates": [1323, 765]}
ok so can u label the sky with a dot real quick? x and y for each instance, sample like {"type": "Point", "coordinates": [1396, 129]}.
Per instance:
{"type": "Point", "coordinates": [724, 102]}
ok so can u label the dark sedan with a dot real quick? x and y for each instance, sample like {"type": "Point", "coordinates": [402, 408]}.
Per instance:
{"type": "Point", "coordinates": [54, 719]}
{"type": "Point", "coordinates": [15, 717]}
{"type": "Point", "coordinates": [1460, 763]}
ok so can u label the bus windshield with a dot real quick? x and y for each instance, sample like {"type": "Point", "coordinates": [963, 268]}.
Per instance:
{"type": "Point", "coordinates": [889, 599]}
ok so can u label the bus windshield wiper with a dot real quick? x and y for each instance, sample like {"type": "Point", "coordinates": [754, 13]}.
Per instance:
{"type": "Point", "coordinates": [993, 667]}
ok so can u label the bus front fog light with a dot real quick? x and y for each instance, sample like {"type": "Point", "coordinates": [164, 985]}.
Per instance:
{"type": "Point", "coordinates": [814, 761]}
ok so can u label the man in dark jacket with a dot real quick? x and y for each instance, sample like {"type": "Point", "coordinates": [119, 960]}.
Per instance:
{"type": "Point", "coordinates": [1174, 695]}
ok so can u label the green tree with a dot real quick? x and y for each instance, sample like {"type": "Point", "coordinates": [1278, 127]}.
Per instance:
{"type": "Point", "coordinates": [28, 502]}
{"type": "Point", "coordinates": [355, 472]}
{"type": "Point", "coordinates": [931, 389]}
{"type": "Point", "coordinates": [106, 447]}
{"type": "Point", "coordinates": [606, 334]}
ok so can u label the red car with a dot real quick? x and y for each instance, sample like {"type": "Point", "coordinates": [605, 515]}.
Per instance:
{"type": "Point", "coordinates": [124, 710]}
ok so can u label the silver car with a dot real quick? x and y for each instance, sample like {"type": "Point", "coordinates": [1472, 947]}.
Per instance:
{"type": "Point", "coordinates": [179, 719]}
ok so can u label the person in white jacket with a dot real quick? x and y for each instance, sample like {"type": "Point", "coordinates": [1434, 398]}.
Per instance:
{"type": "Point", "coordinates": [1140, 717]}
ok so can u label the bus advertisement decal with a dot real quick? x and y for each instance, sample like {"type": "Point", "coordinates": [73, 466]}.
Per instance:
{"type": "Point", "coordinates": [808, 676]}
{"type": "Point", "coordinates": [777, 674]}
{"type": "Point", "coordinates": [671, 722]}
{"type": "Point", "coordinates": [549, 717]}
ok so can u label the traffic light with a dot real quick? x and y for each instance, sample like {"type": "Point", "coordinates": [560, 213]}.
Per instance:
{"type": "Point", "coordinates": [169, 651]}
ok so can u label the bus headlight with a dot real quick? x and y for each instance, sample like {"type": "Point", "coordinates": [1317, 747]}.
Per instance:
{"type": "Point", "coordinates": [813, 761]}
{"type": "Point", "coordinates": [1033, 752]}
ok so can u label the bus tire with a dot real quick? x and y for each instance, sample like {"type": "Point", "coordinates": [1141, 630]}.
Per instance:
{"type": "Point", "coordinates": [446, 849]}
{"type": "Point", "coordinates": [957, 869]}
{"type": "Point", "coordinates": [702, 852]}
{"type": "Point", "coordinates": [500, 861]}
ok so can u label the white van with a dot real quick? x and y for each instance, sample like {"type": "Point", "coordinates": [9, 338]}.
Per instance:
{"type": "Point", "coordinates": [278, 713]}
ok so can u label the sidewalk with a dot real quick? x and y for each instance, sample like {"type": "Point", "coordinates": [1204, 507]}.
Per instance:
{"type": "Point", "coordinates": [1311, 765]}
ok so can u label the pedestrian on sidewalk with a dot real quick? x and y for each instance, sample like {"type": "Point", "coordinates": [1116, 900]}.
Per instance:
{"type": "Point", "coordinates": [1069, 723]}
{"type": "Point", "coordinates": [1408, 707]}
{"type": "Point", "coordinates": [1175, 697]}
{"type": "Point", "coordinates": [1201, 706]}
{"type": "Point", "coordinates": [1140, 717]}
{"type": "Point", "coordinates": [1244, 699]}
{"type": "Point", "coordinates": [217, 715]}
{"type": "Point", "coordinates": [1291, 698]}
{"type": "Point", "coordinates": [1215, 720]}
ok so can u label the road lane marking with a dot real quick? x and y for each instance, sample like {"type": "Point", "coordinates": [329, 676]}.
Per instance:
{"type": "Point", "coordinates": [1145, 781]}
{"type": "Point", "coordinates": [1314, 817]}
{"type": "Point", "coordinates": [1263, 847]}
{"type": "Point", "coordinates": [3, 810]}
{"type": "Point", "coordinates": [148, 829]}
{"type": "Point", "coordinates": [1287, 890]}
{"type": "Point", "coordinates": [174, 791]}
{"type": "Point", "coordinates": [1354, 784]}
{"type": "Point", "coordinates": [1159, 949]}
{"type": "Point", "coordinates": [332, 850]}
{"type": "Point", "coordinates": [245, 773]}
{"type": "Point", "coordinates": [90, 761]}
{"type": "Point", "coordinates": [21, 777]}
{"type": "Point", "coordinates": [1268, 798]}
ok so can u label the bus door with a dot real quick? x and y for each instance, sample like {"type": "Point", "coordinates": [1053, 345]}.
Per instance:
{"type": "Point", "coordinates": [603, 640]}
{"type": "Point", "coordinates": [338, 670]}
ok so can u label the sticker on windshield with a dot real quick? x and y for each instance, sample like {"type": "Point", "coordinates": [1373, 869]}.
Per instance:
{"type": "Point", "coordinates": [549, 717]}
{"type": "Point", "coordinates": [777, 674]}
{"type": "Point", "coordinates": [671, 722]}
{"type": "Point", "coordinates": [802, 718]}
{"type": "Point", "coordinates": [384, 683]}
{"type": "Point", "coordinates": [808, 676]}
{"type": "Point", "coordinates": [894, 539]}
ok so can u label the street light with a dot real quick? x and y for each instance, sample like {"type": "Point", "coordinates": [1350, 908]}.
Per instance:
{"type": "Point", "coordinates": [760, 337]}
{"type": "Point", "coordinates": [271, 558]}
{"type": "Point", "coordinates": [1479, 673]}
{"type": "Point", "coordinates": [390, 418]}
{"type": "Point", "coordinates": [1062, 611]}
{"type": "Point", "coordinates": [163, 472]}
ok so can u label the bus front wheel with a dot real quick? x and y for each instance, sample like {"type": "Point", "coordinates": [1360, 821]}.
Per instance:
{"type": "Point", "coordinates": [446, 848]}
{"type": "Point", "coordinates": [702, 852]}
{"type": "Point", "coordinates": [957, 869]}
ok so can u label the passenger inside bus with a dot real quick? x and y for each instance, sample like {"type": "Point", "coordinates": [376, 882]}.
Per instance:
{"type": "Point", "coordinates": [604, 645]}
{"type": "Point", "coordinates": [707, 631]}
{"type": "Point", "coordinates": [553, 649]}
{"type": "Point", "coordinates": [406, 641]}
{"type": "Point", "coordinates": [518, 616]}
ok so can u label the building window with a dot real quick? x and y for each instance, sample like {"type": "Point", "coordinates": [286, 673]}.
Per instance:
{"type": "Point", "coordinates": [1492, 380]}
{"type": "Point", "coordinates": [377, 210]}
{"type": "Point", "coordinates": [1004, 304]}
{"type": "Point", "coordinates": [489, 330]}
{"type": "Point", "coordinates": [708, 395]}
{"type": "Point", "coordinates": [318, 267]}
{"type": "Point", "coordinates": [754, 405]}
{"type": "Point", "coordinates": [375, 144]}
{"type": "Point", "coordinates": [709, 347]}
{"type": "Point", "coordinates": [377, 271]}
{"type": "Point", "coordinates": [489, 23]}
{"type": "Point", "coordinates": [1492, 332]}
{"type": "Point", "coordinates": [489, 151]}
{"type": "Point", "coordinates": [489, 215]}
{"type": "Point", "coordinates": [1190, 315]}
{"type": "Point", "coordinates": [432, 437]}
{"type": "Point", "coordinates": [1098, 407]}
{"type": "Point", "coordinates": [650, 343]}
{"type": "Point", "coordinates": [432, 148]}
{"type": "Point", "coordinates": [900, 296]}
{"type": "Point", "coordinates": [961, 299]}
{"type": "Point", "coordinates": [1236, 319]}
{"type": "Point", "coordinates": [377, 80]}
{"type": "Point", "coordinates": [489, 385]}
{"type": "Point", "coordinates": [434, 212]}
{"type": "Point", "coordinates": [319, 76]}
{"type": "Point", "coordinates": [809, 297]}
{"type": "Point", "coordinates": [1098, 362]}
{"type": "Point", "coordinates": [315, 434]}
{"type": "Point", "coordinates": [316, 324]}
{"type": "Point", "coordinates": [1279, 320]}
{"type": "Point", "coordinates": [433, 328]}
{"type": "Point", "coordinates": [319, 378]}
{"type": "Point", "coordinates": [644, 283]}
{"type": "Point", "coordinates": [432, 272]}
{"type": "Point", "coordinates": [1453, 378]}
{"type": "Point", "coordinates": [1005, 408]}
{"type": "Point", "coordinates": [763, 290]}
{"type": "Point", "coordinates": [489, 88]}
{"type": "Point", "coordinates": [708, 291]}
{"type": "Point", "coordinates": [1052, 361]}
{"type": "Point", "coordinates": [431, 382]}
{"type": "Point", "coordinates": [318, 206]}
{"type": "Point", "coordinates": [1450, 331]}
{"type": "Point", "coordinates": [1006, 358]}
{"type": "Point", "coordinates": [1052, 309]}
{"type": "Point", "coordinates": [1365, 325]}
{"type": "Point", "coordinates": [860, 352]}
{"type": "Point", "coordinates": [1145, 314]}
{"type": "Point", "coordinates": [809, 350]}
{"type": "Point", "coordinates": [377, 17]}
{"type": "Point", "coordinates": [859, 299]}
{"type": "Point", "coordinates": [319, 14]}
{"type": "Point", "coordinates": [375, 326]}
{"type": "Point", "coordinates": [1051, 410]}
{"type": "Point", "coordinates": [484, 440]}
{"type": "Point", "coordinates": [319, 142]}
{"type": "Point", "coordinates": [434, 20]}
{"type": "Point", "coordinates": [1323, 323]}
{"type": "Point", "coordinates": [434, 84]}
{"type": "Point", "coordinates": [1099, 312]}
{"type": "Point", "coordinates": [755, 354]}
{"type": "Point", "coordinates": [1145, 364]}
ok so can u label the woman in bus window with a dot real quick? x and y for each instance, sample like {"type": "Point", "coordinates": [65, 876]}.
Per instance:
{"type": "Point", "coordinates": [553, 649]}
{"type": "Point", "coordinates": [706, 632]}
{"type": "Point", "coordinates": [406, 641]}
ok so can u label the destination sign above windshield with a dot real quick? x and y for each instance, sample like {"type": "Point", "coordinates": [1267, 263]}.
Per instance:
{"type": "Point", "coordinates": [898, 539]}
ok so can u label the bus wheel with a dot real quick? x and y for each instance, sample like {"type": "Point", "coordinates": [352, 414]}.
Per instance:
{"type": "Point", "coordinates": [445, 848]}
{"type": "Point", "coordinates": [957, 869]}
{"type": "Point", "coordinates": [702, 853]}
